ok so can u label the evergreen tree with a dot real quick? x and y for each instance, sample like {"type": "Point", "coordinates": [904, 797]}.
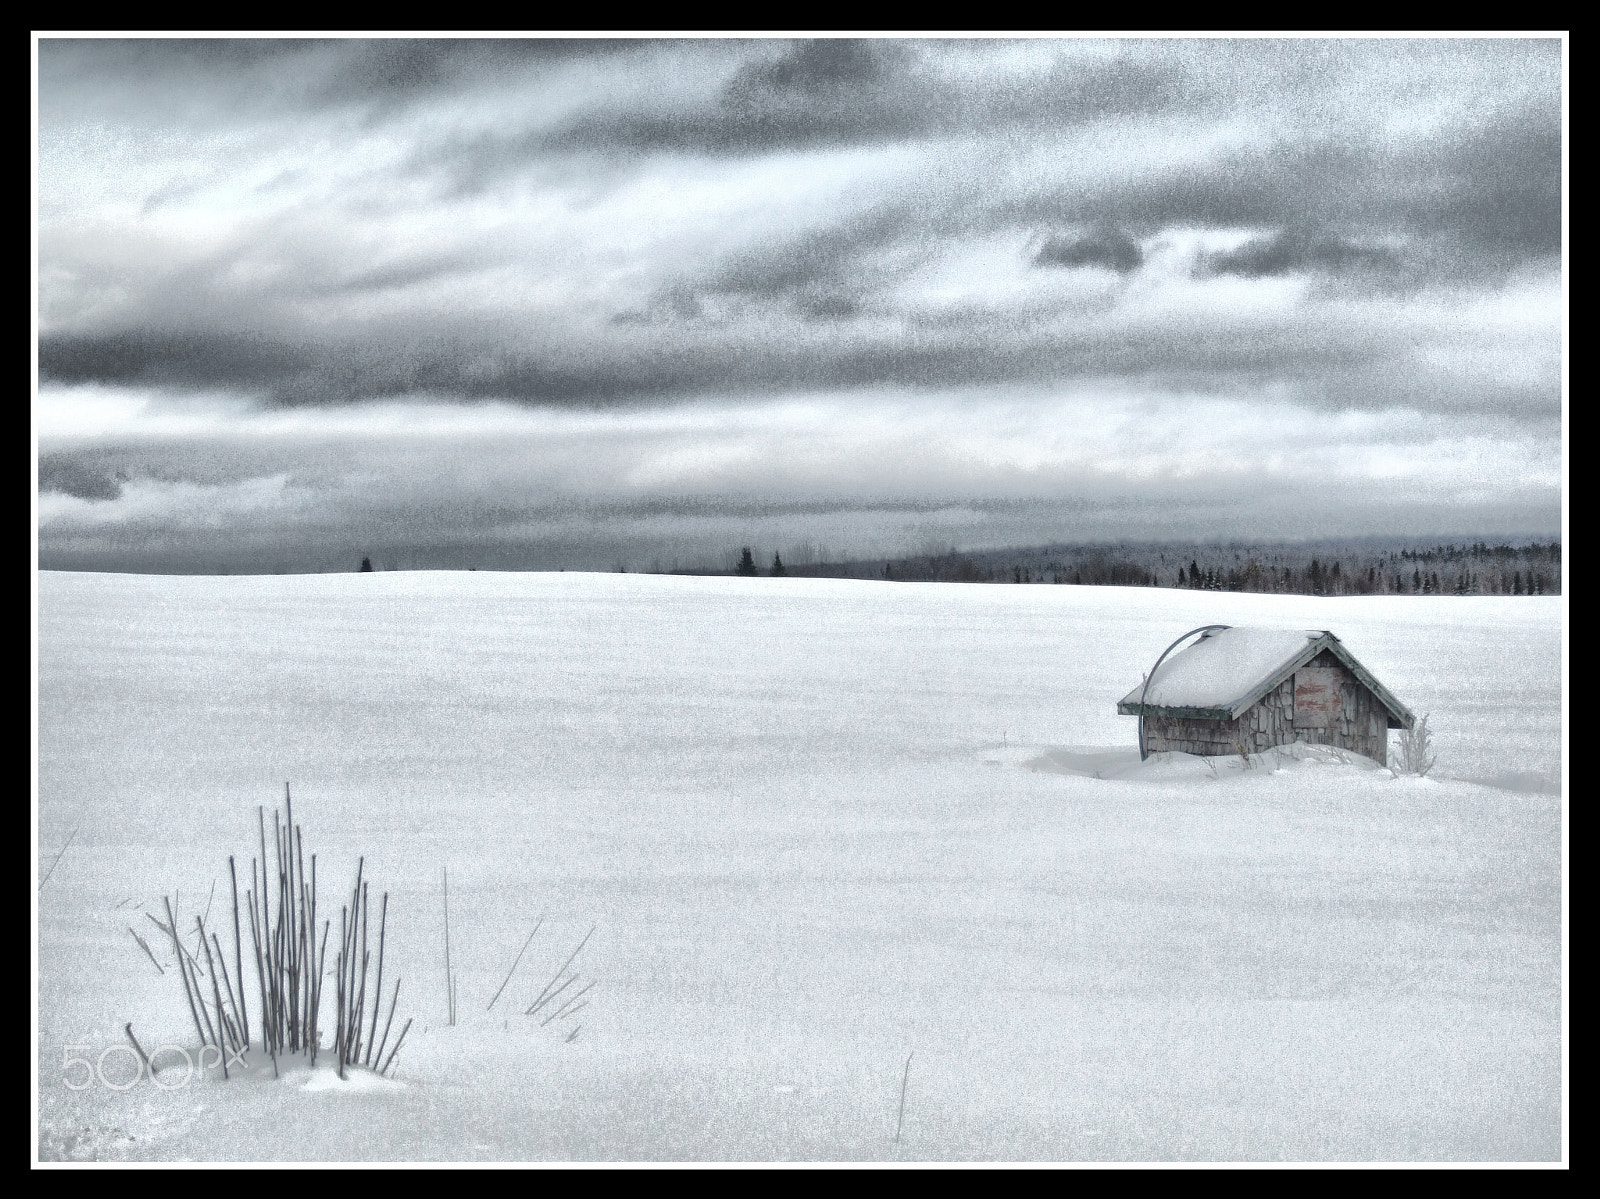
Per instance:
{"type": "Point", "coordinates": [777, 567]}
{"type": "Point", "coordinates": [366, 565]}
{"type": "Point", "coordinates": [1180, 576]}
{"type": "Point", "coordinates": [747, 564]}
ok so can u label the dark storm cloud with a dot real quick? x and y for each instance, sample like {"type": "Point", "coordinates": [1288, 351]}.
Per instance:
{"type": "Point", "coordinates": [182, 360]}
{"type": "Point", "coordinates": [816, 258]}
{"type": "Point", "coordinates": [82, 475]}
{"type": "Point", "coordinates": [401, 66]}
{"type": "Point", "coordinates": [1490, 179]}
{"type": "Point", "coordinates": [1494, 188]}
{"type": "Point", "coordinates": [1489, 176]}
{"type": "Point", "coordinates": [1104, 247]}
{"type": "Point", "coordinates": [1296, 250]}
{"type": "Point", "coordinates": [836, 92]}
{"type": "Point", "coordinates": [286, 373]}
{"type": "Point", "coordinates": [1499, 186]}
{"type": "Point", "coordinates": [690, 357]}
{"type": "Point", "coordinates": [307, 73]}
{"type": "Point", "coordinates": [814, 94]}
{"type": "Point", "coordinates": [822, 274]}
{"type": "Point", "coordinates": [159, 56]}
{"type": "Point", "coordinates": [1492, 194]}
{"type": "Point", "coordinates": [310, 373]}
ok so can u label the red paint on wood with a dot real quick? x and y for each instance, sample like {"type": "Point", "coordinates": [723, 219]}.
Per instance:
{"type": "Point", "coordinates": [1318, 696]}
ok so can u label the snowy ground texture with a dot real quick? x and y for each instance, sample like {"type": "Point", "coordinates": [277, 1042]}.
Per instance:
{"type": "Point", "coordinates": [820, 825]}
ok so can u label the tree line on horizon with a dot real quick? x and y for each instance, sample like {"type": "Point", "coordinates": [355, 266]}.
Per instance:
{"type": "Point", "coordinates": [1366, 566]}
{"type": "Point", "coordinates": [1357, 568]}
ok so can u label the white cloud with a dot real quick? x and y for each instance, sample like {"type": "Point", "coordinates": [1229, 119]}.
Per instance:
{"type": "Point", "coordinates": [1044, 443]}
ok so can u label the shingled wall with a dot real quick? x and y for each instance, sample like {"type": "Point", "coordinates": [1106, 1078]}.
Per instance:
{"type": "Point", "coordinates": [1362, 724]}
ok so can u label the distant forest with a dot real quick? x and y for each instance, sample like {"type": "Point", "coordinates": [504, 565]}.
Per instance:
{"type": "Point", "coordinates": [1367, 566]}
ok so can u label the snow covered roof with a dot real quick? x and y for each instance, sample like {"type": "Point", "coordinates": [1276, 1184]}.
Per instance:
{"type": "Point", "coordinates": [1228, 669]}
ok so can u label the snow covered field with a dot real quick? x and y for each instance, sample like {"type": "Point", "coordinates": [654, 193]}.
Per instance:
{"type": "Point", "coordinates": [820, 825]}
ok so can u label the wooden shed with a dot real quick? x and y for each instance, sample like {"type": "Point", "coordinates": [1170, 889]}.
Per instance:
{"type": "Point", "coordinates": [1254, 688]}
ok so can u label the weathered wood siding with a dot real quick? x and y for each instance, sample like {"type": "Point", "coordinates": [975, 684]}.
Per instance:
{"type": "Point", "coordinates": [1361, 723]}
{"type": "Point", "coordinates": [1318, 696]}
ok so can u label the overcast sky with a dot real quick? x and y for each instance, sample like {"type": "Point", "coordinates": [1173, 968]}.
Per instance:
{"type": "Point", "coordinates": [579, 303]}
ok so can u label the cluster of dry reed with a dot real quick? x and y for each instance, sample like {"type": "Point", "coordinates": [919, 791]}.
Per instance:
{"type": "Point", "coordinates": [290, 961]}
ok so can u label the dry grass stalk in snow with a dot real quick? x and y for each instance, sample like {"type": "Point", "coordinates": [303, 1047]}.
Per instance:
{"type": "Point", "coordinates": [290, 962]}
{"type": "Point", "coordinates": [1412, 756]}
